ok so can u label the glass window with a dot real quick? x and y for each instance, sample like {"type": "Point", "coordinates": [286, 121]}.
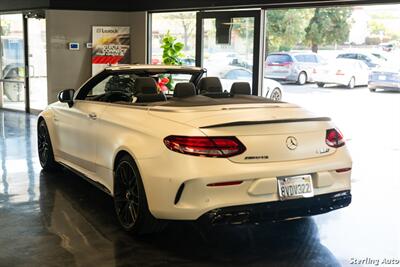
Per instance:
{"type": "Point", "coordinates": [125, 83]}
{"type": "Point", "coordinates": [12, 63]}
{"type": "Point", "coordinates": [238, 74]}
{"type": "Point", "coordinates": [351, 56]}
{"type": "Point", "coordinates": [181, 25]}
{"type": "Point", "coordinates": [279, 58]}
{"type": "Point", "coordinates": [310, 58]}
{"type": "Point", "coordinates": [114, 83]}
{"type": "Point", "coordinates": [364, 58]}
{"type": "Point", "coordinates": [37, 63]}
{"type": "Point", "coordinates": [300, 58]}
{"type": "Point", "coordinates": [99, 88]}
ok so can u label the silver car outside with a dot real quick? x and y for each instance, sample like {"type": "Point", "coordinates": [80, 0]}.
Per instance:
{"type": "Point", "coordinates": [292, 66]}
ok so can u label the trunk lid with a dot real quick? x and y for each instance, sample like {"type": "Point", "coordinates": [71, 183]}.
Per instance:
{"type": "Point", "coordinates": [270, 133]}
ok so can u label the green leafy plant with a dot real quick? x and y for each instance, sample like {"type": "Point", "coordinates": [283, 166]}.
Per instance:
{"type": "Point", "coordinates": [171, 50]}
{"type": "Point", "coordinates": [172, 55]}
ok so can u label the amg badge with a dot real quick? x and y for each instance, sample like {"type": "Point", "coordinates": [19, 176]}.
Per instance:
{"type": "Point", "coordinates": [256, 157]}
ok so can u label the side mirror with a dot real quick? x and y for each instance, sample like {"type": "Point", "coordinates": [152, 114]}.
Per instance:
{"type": "Point", "coordinates": [67, 96]}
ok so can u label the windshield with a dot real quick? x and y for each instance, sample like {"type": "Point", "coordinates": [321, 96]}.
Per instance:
{"type": "Point", "coordinates": [124, 80]}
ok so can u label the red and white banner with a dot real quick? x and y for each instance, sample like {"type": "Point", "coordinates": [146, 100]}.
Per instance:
{"type": "Point", "coordinates": [111, 46]}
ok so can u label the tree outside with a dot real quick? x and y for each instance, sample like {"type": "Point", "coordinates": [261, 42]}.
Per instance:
{"type": "Point", "coordinates": [285, 28]}
{"type": "Point", "coordinates": [328, 26]}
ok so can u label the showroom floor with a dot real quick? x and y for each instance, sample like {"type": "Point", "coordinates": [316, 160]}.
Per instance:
{"type": "Point", "coordinates": [61, 220]}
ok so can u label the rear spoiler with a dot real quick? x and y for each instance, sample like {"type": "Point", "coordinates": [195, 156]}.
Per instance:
{"type": "Point", "coordinates": [243, 123]}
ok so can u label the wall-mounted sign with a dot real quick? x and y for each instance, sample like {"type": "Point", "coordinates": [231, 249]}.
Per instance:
{"type": "Point", "coordinates": [111, 46]}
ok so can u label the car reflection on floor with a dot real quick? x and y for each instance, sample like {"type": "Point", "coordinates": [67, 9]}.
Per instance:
{"type": "Point", "coordinates": [80, 216]}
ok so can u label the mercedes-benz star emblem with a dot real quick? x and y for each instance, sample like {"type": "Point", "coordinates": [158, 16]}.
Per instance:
{"type": "Point", "coordinates": [291, 143]}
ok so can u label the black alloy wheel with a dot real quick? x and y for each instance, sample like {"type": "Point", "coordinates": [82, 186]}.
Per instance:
{"type": "Point", "coordinates": [126, 195]}
{"type": "Point", "coordinates": [130, 200]}
{"type": "Point", "coordinates": [45, 150]}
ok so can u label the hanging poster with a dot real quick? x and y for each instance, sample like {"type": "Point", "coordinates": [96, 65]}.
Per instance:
{"type": "Point", "coordinates": [110, 46]}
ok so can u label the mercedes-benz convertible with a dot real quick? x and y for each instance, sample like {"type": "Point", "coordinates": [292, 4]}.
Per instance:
{"type": "Point", "coordinates": [169, 143]}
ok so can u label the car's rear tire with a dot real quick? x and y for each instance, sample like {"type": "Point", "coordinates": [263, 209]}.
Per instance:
{"type": "Point", "coordinates": [372, 90]}
{"type": "Point", "coordinates": [276, 94]}
{"type": "Point", "coordinates": [320, 85]}
{"type": "Point", "coordinates": [352, 83]}
{"type": "Point", "coordinates": [302, 79]}
{"type": "Point", "coordinates": [130, 200]}
{"type": "Point", "coordinates": [45, 148]}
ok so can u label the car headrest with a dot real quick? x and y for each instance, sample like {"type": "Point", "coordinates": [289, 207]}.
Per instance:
{"type": "Point", "coordinates": [148, 98]}
{"type": "Point", "coordinates": [116, 83]}
{"type": "Point", "coordinates": [145, 85]}
{"type": "Point", "coordinates": [184, 90]}
{"type": "Point", "coordinates": [210, 85]}
{"type": "Point", "coordinates": [240, 88]}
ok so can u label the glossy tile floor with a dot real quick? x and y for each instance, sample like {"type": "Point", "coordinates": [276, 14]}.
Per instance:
{"type": "Point", "coordinates": [60, 220]}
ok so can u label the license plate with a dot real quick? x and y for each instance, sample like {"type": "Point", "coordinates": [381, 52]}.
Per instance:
{"type": "Point", "coordinates": [382, 77]}
{"type": "Point", "coordinates": [276, 68]}
{"type": "Point", "coordinates": [295, 187]}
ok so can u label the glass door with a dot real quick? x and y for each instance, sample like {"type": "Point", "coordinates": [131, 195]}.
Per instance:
{"type": "Point", "coordinates": [12, 63]}
{"type": "Point", "coordinates": [37, 64]}
{"type": "Point", "coordinates": [228, 45]}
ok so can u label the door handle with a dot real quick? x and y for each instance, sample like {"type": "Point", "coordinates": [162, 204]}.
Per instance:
{"type": "Point", "coordinates": [92, 116]}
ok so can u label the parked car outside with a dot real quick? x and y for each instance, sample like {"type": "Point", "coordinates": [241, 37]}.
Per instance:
{"type": "Point", "coordinates": [242, 62]}
{"type": "Point", "coordinates": [368, 58]}
{"type": "Point", "coordinates": [271, 89]}
{"type": "Point", "coordinates": [293, 66]}
{"type": "Point", "coordinates": [189, 61]}
{"type": "Point", "coordinates": [344, 72]}
{"type": "Point", "coordinates": [385, 79]}
{"type": "Point", "coordinates": [388, 47]}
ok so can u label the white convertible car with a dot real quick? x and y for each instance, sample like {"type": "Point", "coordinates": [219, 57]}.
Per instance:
{"type": "Point", "coordinates": [199, 154]}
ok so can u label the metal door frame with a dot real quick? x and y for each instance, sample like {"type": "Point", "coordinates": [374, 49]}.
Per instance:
{"type": "Point", "coordinates": [258, 30]}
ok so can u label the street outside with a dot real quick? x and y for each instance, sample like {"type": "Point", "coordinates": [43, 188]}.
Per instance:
{"type": "Point", "coordinates": [370, 123]}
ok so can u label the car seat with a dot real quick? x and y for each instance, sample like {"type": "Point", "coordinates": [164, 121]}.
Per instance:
{"type": "Point", "coordinates": [183, 90]}
{"type": "Point", "coordinates": [240, 88]}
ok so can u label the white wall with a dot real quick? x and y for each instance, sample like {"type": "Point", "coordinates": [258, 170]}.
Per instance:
{"type": "Point", "coordinates": [69, 69]}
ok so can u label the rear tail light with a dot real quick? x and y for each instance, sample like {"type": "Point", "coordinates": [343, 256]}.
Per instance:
{"type": "Point", "coordinates": [287, 64]}
{"type": "Point", "coordinates": [339, 72]}
{"type": "Point", "coordinates": [216, 147]}
{"type": "Point", "coordinates": [343, 170]}
{"type": "Point", "coordinates": [334, 138]}
{"type": "Point", "coordinates": [283, 64]}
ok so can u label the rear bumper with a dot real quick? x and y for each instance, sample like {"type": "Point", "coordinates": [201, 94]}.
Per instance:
{"type": "Point", "coordinates": [181, 193]}
{"type": "Point", "coordinates": [343, 81]}
{"type": "Point", "coordinates": [384, 85]}
{"type": "Point", "coordinates": [283, 76]}
{"type": "Point", "coordinates": [278, 210]}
